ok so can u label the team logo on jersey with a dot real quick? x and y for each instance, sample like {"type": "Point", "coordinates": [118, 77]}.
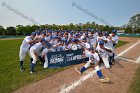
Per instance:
{"type": "Point", "coordinates": [91, 57]}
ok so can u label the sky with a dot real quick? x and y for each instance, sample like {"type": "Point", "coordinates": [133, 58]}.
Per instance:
{"type": "Point", "coordinates": [61, 12]}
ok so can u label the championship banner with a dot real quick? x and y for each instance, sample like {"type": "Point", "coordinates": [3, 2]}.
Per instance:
{"type": "Point", "coordinates": [64, 58]}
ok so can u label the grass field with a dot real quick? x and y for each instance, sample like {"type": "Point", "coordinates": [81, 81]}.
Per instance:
{"type": "Point", "coordinates": [131, 36]}
{"type": "Point", "coordinates": [10, 76]}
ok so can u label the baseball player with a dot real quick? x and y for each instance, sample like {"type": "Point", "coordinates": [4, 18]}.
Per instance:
{"type": "Point", "coordinates": [72, 46]}
{"type": "Point", "coordinates": [104, 53]}
{"type": "Point", "coordinates": [35, 51]}
{"type": "Point", "coordinates": [44, 53]}
{"type": "Point", "coordinates": [114, 39]}
{"type": "Point", "coordinates": [37, 37]}
{"type": "Point", "coordinates": [48, 36]}
{"type": "Point", "coordinates": [24, 48]}
{"type": "Point", "coordinates": [99, 37]}
{"type": "Point", "coordinates": [92, 39]}
{"type": "Point", "coordinates": [93, 60]}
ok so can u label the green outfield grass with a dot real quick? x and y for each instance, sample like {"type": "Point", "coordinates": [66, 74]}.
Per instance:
{"type": "Point", "coordinates": [10, 76]}
{"type": "Point", "coordinates": [121, 43]}
{"type": "Point", "coordinates": [131, 36]}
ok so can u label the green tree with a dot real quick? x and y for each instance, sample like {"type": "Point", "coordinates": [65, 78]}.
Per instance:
{"type": "Point", "coordinates": [137, 30]}
{"type": "Point", "coordinates": [20, 30]}
{"type": "Point", "coordinates": [28, 30]}
{"type": "Point", "coordinates": [2, 31]}
{"type": "Point", "coordinates": [71, 26]}
{"type": "Point", "coordinates": [11, 31]}
{"type": "Point", "coordinates": [128, 30]}
{"type": "Point", "coordinates": [34, 27]}
{"type": "Point", "coordinates": [106, 28]}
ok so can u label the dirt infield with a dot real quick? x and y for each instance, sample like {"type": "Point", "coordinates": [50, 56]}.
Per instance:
{"type": "Point", "coordinates": [68, 81]}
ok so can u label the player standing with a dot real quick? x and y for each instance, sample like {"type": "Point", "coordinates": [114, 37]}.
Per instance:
{"type": "Point", "coordinates": [24, 48]}
{"type": "Point", "coordinates": [114, 38]}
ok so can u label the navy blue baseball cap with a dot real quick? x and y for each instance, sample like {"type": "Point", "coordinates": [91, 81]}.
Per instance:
{"type": "Point", "coordinates": [73, 40]}
{"type": "Point", "coordinates": [114, 31]}
{"type": "Point", "coordinates": [48, 44]}
{"type": "Point", "coordinates": [77, 34]}
{"type": "Point", "coordinates": [37, 32]}
{"type": "Point", "coordinates": [99, 32]}
{"type": "Point", "coordinates": [91, 48]}
{"type": "Point", "coordinates": [49, 31]}
{"type": "Point", "coordinates": [43, 40]}
{"type": "Point", "coordinates": [106, 33]}
{"type": "Point", "coordinates": [33, 33]}
{"type": "Point", "coordinates": [43, 33]}
{"type": "Point", "coordinates": [101, 42]}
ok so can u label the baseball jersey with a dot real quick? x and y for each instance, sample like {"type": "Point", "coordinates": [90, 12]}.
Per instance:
{"type": "Point", "coordinates": [48, 38]}
{"type": "Point", "coordinates": [78, 46]}
{"type": "Point", "coordinates": [99, 38]}
{"type": "Point", "coordinates": [108, 43]}
{"type": "Point", "coordinates": [69, 46]}
{"type": "Point", "coordinates": [38, 47]}
{"type": "Point", "coordinates": [46, 50]}
{"type": "Point", "coordinates": [115, 38]}
{"type": "Point", "coordinates": [93, 39]}
{"type": "Point", "coordinates": [60, 48]}
{"type": "Point", "coordinates": [94, 57]}
{"type": "Point", "coordinates": [102, 52]}
{"type": "Point", "coordinates": [87, 45]}
{"type": "Point", "coordinates": [25, 43]}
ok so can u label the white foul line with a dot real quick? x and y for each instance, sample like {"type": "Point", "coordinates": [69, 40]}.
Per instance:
{"type": "Point", "coordinates": [76, 83]}
{"type": "Point", "coordinates": [129, 60]}
{"type": "Point", "coordinates": [127, 49]}
{"type": "Point", "coordinates": [138, 60]}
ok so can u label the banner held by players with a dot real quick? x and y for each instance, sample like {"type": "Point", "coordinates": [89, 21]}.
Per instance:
{"type": "Point", "coordinates": [64, 58]}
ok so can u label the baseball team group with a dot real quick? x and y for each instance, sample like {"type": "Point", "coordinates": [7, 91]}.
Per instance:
{"type": "Point", "coordinates": [98, 47]}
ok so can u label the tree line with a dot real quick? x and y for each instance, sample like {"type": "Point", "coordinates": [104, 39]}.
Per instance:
{"type": "Point", "coordinates": [26, 30]}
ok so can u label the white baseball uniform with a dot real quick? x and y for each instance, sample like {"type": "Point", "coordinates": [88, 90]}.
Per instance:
{"type": "Point", "coordinates": [93, 58]}
{"type": "Point", "coordinates": [104, 55]}
{"type": "Point", "coordinates": [24, 48]}
{"type": "Point", "coordinates": [44, 52]}
{"type": "Point", "coordinates": [36, 48]}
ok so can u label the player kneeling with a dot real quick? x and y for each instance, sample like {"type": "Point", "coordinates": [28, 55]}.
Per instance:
{"type": "Point", "coordinates": [104, 53]}
{"type": "Point", "coordinates": [44, 53]}
{"type": "Point", "coordinates": [93, 60]}
{"type": "Point", "coordinates": [35, 50]}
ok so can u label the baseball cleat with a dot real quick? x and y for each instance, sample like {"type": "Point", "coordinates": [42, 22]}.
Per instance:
{"type": "Point", "coordinates": [113, 61]}
{"type": "Point", "coordinates": [77, 70]}
{"type": "Point", "coordinates": [22, 69]}
{"type": "Point", "coordinates": [33, 72]}
{"type": "Point", "coordinates": [105, 80]}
